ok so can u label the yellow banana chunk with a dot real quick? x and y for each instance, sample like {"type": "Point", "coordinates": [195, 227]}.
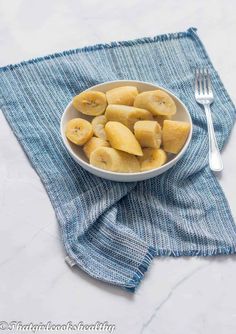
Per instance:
{"type": "Point", "coordinates": [113, 160]}
{"type": "Point", "coordinates": [174, 135]}
{"type": "Point", "coordinates": [98, 124]}
{"type": "Point", "coordinates": [148, 133]}
{"type": "Point", "coordinates": [161, 118]}
{"type": "Point", "coordinates": [122, 95]}
{"type": "Point", "coordinates": [126, 115]}
{"type": "Point", "coordinates": [79, 131]}
{"type": "Point", "coordinates": [157, 102]}
{"type": "Point", "coordinates": [152, 158]}
{"type": "Point", "coordinates": [91, 103]}
{"type": "Point", "coordinates": [121, 138]}
{"type": "Point", "coordinates": [92, 144]}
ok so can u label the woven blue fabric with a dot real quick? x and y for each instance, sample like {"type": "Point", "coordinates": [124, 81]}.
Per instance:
{"type": "Point", "coordinates": [113, 230]}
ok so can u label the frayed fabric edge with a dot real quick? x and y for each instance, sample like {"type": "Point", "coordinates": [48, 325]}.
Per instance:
{"type": "Point", "coordinates": [195, 252]}
{"type": "Point", "coordinates": [139, 273]}
{"type": "Point", "coordinates": [96, 47]}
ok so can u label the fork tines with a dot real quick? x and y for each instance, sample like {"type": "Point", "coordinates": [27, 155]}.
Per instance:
{"type": "Point", "coordinates": [202, 82]}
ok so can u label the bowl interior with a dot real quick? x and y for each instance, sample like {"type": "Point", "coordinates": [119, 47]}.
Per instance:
{"type": "Point", "coordinates": [70, 112]}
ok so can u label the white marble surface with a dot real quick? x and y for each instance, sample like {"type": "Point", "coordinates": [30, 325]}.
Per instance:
{"type": "Point", "coordinates": [183, 295]}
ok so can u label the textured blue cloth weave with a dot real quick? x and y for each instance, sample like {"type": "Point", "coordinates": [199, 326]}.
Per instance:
{"type": "Point", "coordinates": [113, 230]}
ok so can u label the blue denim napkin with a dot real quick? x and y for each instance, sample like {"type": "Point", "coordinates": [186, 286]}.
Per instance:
{"type": "Point", "coordinates": [113, 230]}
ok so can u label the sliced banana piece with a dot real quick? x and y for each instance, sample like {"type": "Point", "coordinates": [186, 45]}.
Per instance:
{"type": "Point", "coordinates": [92, 144]}
{"type": "Point", "coordinates": [157, 102]}
{"type": "Point", "coordinates": [98, 124]}
{"type": "Point", "coordinates": [113, 160]}
{"type": "Point", "coordinates": [174, 135]}
{"type": "Point", "coordinates": [148, 133]}
{"type": "Point", "coordinates": [79, 131]}
{"type": "Point", "coordinates": [91, 103]}
{"type": "Point", "coordinates": [122, 95]}
{"type": "Point", "coordinates": [121, 138]}
{"type": "Point", "coordinates": [126, 115]}
{"type": "Point", "coordinates": [152, 158]}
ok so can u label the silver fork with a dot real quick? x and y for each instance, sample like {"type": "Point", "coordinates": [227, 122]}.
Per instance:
{"type": "Point", "coordinates": [204, 96]}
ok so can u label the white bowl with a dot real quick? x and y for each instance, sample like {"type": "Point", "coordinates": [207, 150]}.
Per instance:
{"type": "Point", "coordinates": [78, 155]}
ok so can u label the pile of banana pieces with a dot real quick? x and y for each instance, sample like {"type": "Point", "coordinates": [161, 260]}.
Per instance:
{"type": "Point", "coordinates": [129, 131]}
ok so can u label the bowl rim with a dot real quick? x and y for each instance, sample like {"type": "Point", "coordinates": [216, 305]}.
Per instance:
{"type": "Point", "coordinates": [89, 166]}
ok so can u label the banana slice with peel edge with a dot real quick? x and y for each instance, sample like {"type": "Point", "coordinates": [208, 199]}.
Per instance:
{"type": "Point", "coordinates": [126, 115]}
{"type": "Point", "coordinates": [113, 160]}
{"type": "Point", "coordinates": [148, 133]}
{"type": "Point", "coordinates": [90, 102]}
{"type": "Point", "coordinates": [92, 144]}
{"type": "Point", "coordinates": [121, 138]}
{"type": "Point", "coordinates": [157, 102]}
{"type": "Point", "coordinates": [174, 135]}
{"type": "Point", "coordinates": [79, 131]}
{"type": "Point", "coordinates": [152, 158]}
{"type": "Point", "coordinates": [122, 95]}
{"type": "Point", "coordinates": [98, 124]}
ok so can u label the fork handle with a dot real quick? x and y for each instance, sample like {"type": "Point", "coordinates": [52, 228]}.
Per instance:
{"type": "Point", "coordinates": [215, 160]}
